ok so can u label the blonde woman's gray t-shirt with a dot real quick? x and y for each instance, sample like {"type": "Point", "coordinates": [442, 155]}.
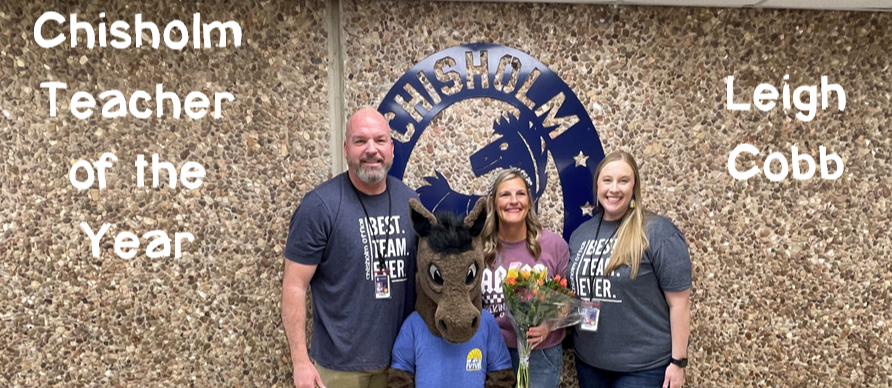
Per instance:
{"type": "Point", "coordinates": [634, 330]}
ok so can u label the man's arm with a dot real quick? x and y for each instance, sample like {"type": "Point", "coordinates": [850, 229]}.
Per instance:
{"type": "Point", "coordinates": [294, 317]}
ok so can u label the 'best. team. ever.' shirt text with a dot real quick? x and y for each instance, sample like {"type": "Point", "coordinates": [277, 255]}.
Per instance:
{"type": "Point", "coordinates": [588, 267]}
{"type": "Point", "coordinates": [384, 235]}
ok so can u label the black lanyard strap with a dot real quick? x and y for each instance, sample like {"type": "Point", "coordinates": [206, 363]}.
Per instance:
{"type": "Point", "coordinates": [378, 249]}
{"type": "Point", "coordinates": [591, 274]}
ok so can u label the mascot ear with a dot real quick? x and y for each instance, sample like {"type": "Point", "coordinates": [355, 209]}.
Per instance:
{"type": "Point", "coordinates": [476, 217]}
{"type": "Point", "coordinates": [422, 219]}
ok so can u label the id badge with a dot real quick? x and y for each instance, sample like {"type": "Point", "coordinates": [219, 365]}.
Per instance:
{"type": "Point", "coordinates": [382, 285]}
{"type": "Point", "coordinates": [591, 313]}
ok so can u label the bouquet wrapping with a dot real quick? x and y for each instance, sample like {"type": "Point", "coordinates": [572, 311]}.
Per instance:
{"type": "Point", "coordinates": [532, 300]}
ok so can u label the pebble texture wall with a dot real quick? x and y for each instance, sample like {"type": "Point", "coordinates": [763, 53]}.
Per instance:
{"type": "Point", "coordinates": [211, 317]}
{"type": "Point", "coordinates": [791, 279]}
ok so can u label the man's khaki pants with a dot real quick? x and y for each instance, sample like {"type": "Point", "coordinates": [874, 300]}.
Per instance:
{"type": "Point", "coordinates": [376, 378]}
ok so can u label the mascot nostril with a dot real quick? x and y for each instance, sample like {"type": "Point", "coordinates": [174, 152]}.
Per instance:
{"type": "Point", "coordinates": [457, 324]}
{"type": "Point", "coordinates": [448, 339]}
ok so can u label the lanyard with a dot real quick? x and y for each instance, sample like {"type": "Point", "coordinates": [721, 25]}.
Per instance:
{"type": "Point", "coordinates": [591, 275]}
{"type": "Point", "coordinates": [378, 249]}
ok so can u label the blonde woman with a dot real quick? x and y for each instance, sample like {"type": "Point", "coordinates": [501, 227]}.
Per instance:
{"type": "Point", "coordinates": [512, 234]}
{"type": "Point", "coordinates": [632, 269]}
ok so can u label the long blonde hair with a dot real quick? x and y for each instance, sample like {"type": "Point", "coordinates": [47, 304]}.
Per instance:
{"type": "Point", "coordinates": [631, 240]}
{"type": "Point", "coordinates": [490, 233]}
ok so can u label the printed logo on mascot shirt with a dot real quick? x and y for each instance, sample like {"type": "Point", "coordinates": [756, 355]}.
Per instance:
{"type": "Point", "coordinates": [549, 110]}
{"type": "Point", "coordinates": [475, 361]}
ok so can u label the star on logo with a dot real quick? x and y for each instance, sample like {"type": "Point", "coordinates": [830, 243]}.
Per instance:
{"type": "Point", "coordinates": [587, 209]}
{"type": "Point", "coordinates": [580, 160]}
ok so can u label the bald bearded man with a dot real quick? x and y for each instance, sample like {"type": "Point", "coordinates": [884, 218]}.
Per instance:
{"type": "Point", "coordinates": [351, 241]}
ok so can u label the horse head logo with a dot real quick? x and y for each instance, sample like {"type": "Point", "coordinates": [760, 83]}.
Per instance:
{"type": "Point", "coordinates": [519, 145]}
{"type": "Point", "coordinates": [551, 122]}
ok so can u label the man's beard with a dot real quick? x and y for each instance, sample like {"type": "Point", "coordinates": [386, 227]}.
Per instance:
{"type": "Point", "coordinates": [370, 176]}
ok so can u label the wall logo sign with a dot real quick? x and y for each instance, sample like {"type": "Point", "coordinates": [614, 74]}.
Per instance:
{"type": "Point", "coordinates": [552, 120]}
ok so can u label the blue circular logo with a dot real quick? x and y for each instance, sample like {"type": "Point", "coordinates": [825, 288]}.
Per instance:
{"type": "Point", "coordinates": [552, 121]}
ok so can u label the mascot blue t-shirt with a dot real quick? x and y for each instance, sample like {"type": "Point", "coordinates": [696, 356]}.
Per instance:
{"type": "Point", "coordinates": [437, 363]}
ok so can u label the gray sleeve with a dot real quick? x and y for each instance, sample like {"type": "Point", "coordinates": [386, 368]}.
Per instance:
{"type": "Point", "coordinates": [309, 231]}
{"type": "Point", "coordinates": [671, 260]}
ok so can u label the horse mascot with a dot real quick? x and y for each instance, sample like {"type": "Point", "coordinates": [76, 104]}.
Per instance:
{"type": "Point", "coordinates": [448, 341]}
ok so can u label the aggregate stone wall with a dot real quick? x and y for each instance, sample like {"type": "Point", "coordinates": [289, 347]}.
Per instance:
{"type": "Point", "coordinates": [210, 317]}
{"type": "Point", "coordinates": [791, 279]}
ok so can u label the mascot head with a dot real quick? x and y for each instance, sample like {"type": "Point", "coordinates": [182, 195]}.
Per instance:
{"type": "Point", "coordinates": [450, 265]}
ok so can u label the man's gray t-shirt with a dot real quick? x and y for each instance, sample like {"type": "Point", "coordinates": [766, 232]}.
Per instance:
{"type": "Point", "coordinates": [634, 330]}
{"type": "Point", "coordinates": [353, 330]}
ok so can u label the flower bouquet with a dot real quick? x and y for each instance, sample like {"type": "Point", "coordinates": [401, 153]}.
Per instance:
{"type": "Point", "coordinates": [533, 299]}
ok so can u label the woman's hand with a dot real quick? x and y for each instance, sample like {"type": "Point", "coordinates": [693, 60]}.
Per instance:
{"type": "Point", "coordinates": [537, 334]}
{"type": "Point", "coordinates": [674, 377]}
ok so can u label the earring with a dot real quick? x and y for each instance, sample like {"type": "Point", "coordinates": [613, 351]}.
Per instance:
{"type": "Point", "coordinates": [597, 202]}
{"type": "Point", "coordinates": [632, 203]}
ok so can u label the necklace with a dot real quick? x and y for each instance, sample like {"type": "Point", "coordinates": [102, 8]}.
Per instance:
{"type": "Point", "coordinates": [379, 250]}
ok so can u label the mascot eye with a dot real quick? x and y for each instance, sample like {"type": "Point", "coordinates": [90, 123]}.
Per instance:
{"type": "Point", "coordinates": [472, 274]}
{"type": "Point", "coordinates": [435, 275]}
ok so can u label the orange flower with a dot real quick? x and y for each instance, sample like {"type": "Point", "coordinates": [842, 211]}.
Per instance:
{"type": "Point", "coordinates": [535, 292]}
{"type": "Point", "coordinates": [557, 278]}
{"type": "Point", "coordinates": [563, 282]}
{"type": "Point", "coordinates": [511, 281]}
{"type": "Point", "coordinates": [526, 274]}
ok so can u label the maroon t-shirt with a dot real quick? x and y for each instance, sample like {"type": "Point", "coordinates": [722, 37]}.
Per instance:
{"type": "Point", "coordinates": [555, 257]}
